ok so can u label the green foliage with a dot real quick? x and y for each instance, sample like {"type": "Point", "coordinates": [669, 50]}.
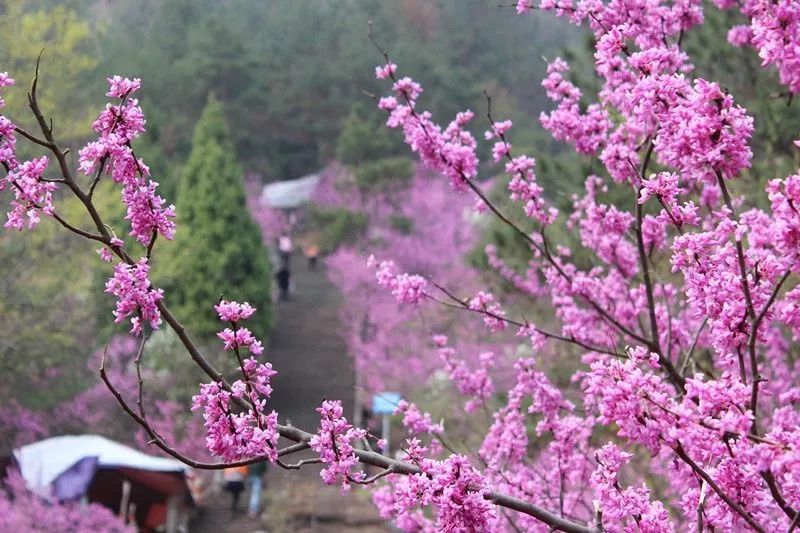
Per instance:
{"type": "Point", "coordinates": [375, 155]}
{"type": "Point", "coordinates": [289, 72]}
{"type": "Point", "coordinates": [217, 249]}
{"type": "Point", "coordinates": [364, 137]}
{"type": "Point", "coordinates": [402, 224]}
{"type": "Point", "coordinates": [337, 226]}
{"type": "Point", "coordinates": [42, 326]}
{"type": "Point", "coordinates": [383, 172]}
{"type": "Point", "coordinates": [69, 52]}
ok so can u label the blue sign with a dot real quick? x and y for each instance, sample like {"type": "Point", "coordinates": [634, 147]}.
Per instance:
{"type": "Point", "coordinates": [385, 403]}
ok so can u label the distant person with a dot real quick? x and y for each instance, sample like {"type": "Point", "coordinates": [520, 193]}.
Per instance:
{"type": "Point", "coordinates": [255, 480]}
{"type": "Point", "coordinates": [312, 252]}
{"type": "Point", "coordinates": [282, 278]}
{"type": "Point", "coordinates": [234, 483]}
{"type": "Point", "coordinates": [285, 247]}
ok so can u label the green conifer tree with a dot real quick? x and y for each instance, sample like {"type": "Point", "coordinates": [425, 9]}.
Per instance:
{"type": "Point", "coordinates": [218, 249]}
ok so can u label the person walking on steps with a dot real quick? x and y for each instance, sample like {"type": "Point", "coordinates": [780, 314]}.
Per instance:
{"type": "Point", "coordinates": [282, 277]}
{"type": "Point", "coordinates": [312, 252]}
{"type": "Point", "coordinates": [255, 480]}
{"type": "Point", "coordinates": [285, 247]}
{"type": "Point", "coordinates": [234, 483]}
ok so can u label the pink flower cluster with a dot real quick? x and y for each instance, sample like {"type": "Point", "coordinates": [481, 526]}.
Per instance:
{"type": "Point", "coordinates": [603, 229]}
{"type": "Point", "coordinates": [416, 421]}
{"type": "Point", "coordinates": [234, 311]}
{"type": "Point", "coordinates": [451, 151]}
{"type": "Point", "coordinates": [32, 194]}
{"type": "Point", "coordinates": [22, 510]}
{"type": "Point", "coordinates": [118, 125]}
{"type": "Point", "coordinates": [334, 444]}
{"type": "Point", "coordinates": [493, 314]}
{"type": "Point", "coordinates": [135, 295]}
{"type": "Point", "coordinates": [8, 140]}
{"type": "Point", "coordinates": [250, 432]}
{"type": "Point", "coordinates": [664, 187]}
{"type": "Point", "coordinates": [784, 195]}
{"type": "Point", "coordinates": [585, 130]}
{"type": "Point", "coordinates": [106, 251]}
{"type": "Point", "coordinates": [774, 31]}
{"type": "Point", "coordinates": [695, 368]}
{"type": "Point", "coordinates": [631, 505]}
{"type": "Point", "coordinates": [522, 186]}
{"type": "Point", "coordinates": [237, 337]}
{"type": "Point", "coordinates": [406, 288]}
{"type": "Point", "coordinates": [474, 383]}
{"type": "Point", "coordinates": [704, 133]}
{"type": "Point", "coordinates": [120, 87]}
{"type": "Point", "coordinates": [233, 435]}
{"type": "Point", "coordinates": [453, 488]}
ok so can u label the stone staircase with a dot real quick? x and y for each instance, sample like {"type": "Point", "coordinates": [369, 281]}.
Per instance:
{"type": "Point", "coordinates": [312, 364]}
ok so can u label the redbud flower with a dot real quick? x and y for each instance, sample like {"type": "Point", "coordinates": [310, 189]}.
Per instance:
{"type": "Point", "coordinates": [234, 311]}
{"type": "Point", "coordinates": [334, 444]}
{"type": "Point", "coordinates": [135, 295]}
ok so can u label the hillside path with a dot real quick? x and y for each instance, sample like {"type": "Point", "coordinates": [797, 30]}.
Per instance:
{"type": "Point", "coordinates": [312, 363]}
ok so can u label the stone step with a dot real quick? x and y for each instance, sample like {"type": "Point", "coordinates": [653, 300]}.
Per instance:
{"type": "Point", "coordinates": [312, 364]}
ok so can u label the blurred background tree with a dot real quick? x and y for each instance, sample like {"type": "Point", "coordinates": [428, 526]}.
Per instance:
{"type": "Point", "coordinates": [217, 251]}
{"type": "Point", "coordinates": [70, 46]}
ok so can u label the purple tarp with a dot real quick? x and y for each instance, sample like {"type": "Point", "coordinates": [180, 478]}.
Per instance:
{"type": "Point", "coordinates": [73, 483]}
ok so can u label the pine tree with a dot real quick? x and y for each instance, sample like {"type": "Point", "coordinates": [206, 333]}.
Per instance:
{"type": "Point", "coordinates": [218, 250]}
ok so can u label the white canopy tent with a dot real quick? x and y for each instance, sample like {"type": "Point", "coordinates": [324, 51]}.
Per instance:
{"type": "Point", "coordinates": [290, 194]}
{"type": "Point", "coordinates": [42, 462]}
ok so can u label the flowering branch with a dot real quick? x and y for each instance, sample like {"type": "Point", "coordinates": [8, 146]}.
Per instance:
{"type": "Point", "coordinates": [727, 297]}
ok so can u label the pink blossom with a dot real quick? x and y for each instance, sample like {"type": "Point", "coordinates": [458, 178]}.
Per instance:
{"type": "Point", "coordinates": [32, 195]}
{"type": "Point", "coordinates": [118, 125]}
{"type": "Point", "coordinates": [524, 6]}
{"type": "Point", "coordinates": [631, 505]}
{"type": "Point", "coordinates": [334, 444]}
{"type": "Point", "coordinates": [251, 433]}
{"type": "Point", "coordinates": [449, 151]}
{"type": "Point", "coordinates": [385, 71]}
{"type": "Point", "coordinates": [235, 436]}
{"type": "Point", "coordinates": [406, 288]}
{"type": "Point", "coordinates": [485, 303]}
{"type": "Point", "coordinates": [240, 338]}
{"type": "Point", "coordinates": [774, 32]}
{"type": "Point", "coordinates": [475, 383]}
{"type": "Point", "coordinates": [416, 421]}
{"type": "Point", "coordinates": [135, 295]}
{"type": "Point", "coordinates": [105, 254]}
{"type": "Point", "coordinates": [706, 133]}
{"type": "Point", "coordinates": [22, 510]}
{"type": "Point", "coordinates": [453, 487]}
{"type": "Point", "coordinates": [234, 311]}
{"type": "Point", "coordinates": [122, 87]}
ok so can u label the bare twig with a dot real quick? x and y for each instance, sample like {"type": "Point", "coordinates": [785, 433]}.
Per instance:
{"type": "Point", "coordinates": [643, 261]}
{"type": "Point", "coordinates": [751, 346]}
{"type": "Point", "coordinates": [299, 464]}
